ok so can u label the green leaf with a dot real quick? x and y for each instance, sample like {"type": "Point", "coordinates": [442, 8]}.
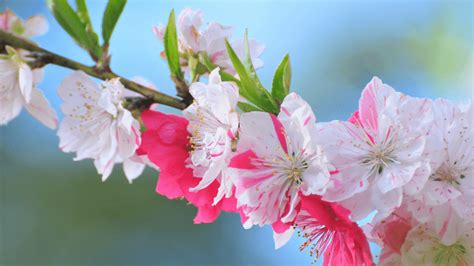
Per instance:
{"type": "Point", "coordinates": [247, 107]}
{"type": "Point", "coordinates": [83, 13]}
{"type": "Point", "coordinates": [282, 79]}
{"type": "Point", "coordinates": [170, 40]}
{"type": "Point", "coordinates": [73, 25]}
{"type": "Point", "coordinates": [193, 64]}
{"type": "Point", "coordinates": [206, 61]}
{"type": "Point", "coordinates": [250, 87]}
{"type": "Point", "coordinates": [111, 16]}
{"type": "Point", "coordinates": [248, 61]}
{"type": "Point", "coordinates": [266, 96]}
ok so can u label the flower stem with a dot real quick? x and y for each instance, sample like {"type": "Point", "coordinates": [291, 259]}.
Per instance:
{"type": "Point", "coordinates": [44, 57]}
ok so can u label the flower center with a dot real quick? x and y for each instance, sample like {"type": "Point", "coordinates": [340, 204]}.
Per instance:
{"type": "Point", "coordinates": [447, 174]}
{"type": "Point", "coordinates": [286, 168]}
{"type": "Point", "coordinates": [379, 158]}
{"type": "Point", "coordinates": [295, 168]}
{"type": "Point", "coordinates": [449, 255]}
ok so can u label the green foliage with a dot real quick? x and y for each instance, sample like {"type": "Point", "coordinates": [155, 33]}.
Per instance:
{"type": "Point", "coordinates": [170, 40]}
{"type": "Point", "coordinates": [206, 61]}
{"type": "Point", "coordinates": [83, 13]}
{"type": "Point", "coordinates": [79, 26]}
{"type": "Point", "coordinates": [75, 26]}
{"type": "Point", "coordinates": [282, 80]}
{"type": "Point", "coordinates": [247, 107]}
{"type": "Point", "coordinates": [111, 15]}
{"type": "Point", "coordinates": [193, 65]}
{"type": "Point", "coordinates": [250, 86]}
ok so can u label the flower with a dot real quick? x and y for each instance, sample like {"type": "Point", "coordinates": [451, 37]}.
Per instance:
{"type": "Point", "coordinates": [379, 155]}
{"type": "Point", "coordinates": [213, 124]}
{"type": "Point", "coordinates": [166, 143]}
{"type": "Point", "coordinates": [96, 125]}
{"type": "Point", "coordinates": [423, 246]}
{"type": "Point", "coordinates": [331, 233]}
{"type": "Point", "coordinates": [18, 88]}
{"type": "Point", "coordinates": [191, 40]}
{"type": "Point", "coordinates": [18, 81]}
{"type": "Point", "coordinates": [451, 183]}
{"type": "Point", "coordinates": [278, 159]}
{"type": "Point", "coordinates": [33, 26]}
{"type": "Point", "coordinates": [390, 234]}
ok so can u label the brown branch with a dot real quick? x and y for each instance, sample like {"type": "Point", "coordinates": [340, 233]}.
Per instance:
{"type": "Point", "coordinates": [44, 57]}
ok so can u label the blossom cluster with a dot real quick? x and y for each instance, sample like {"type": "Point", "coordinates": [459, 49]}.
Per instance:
{"type": "Point", "coordinates": [405, 164]}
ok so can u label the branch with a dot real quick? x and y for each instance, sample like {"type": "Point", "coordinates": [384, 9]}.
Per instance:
{"type": "Point", "coordinates": [44, 57]}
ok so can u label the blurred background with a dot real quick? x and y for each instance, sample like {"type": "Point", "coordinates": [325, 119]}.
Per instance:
{"type": "Point", "coordinates": [56, 211]}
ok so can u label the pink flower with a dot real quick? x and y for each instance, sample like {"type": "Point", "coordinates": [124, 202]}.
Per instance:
{"type": "Point", "coordinates": [378, 154]}
{"type": "Point", "coordinates": [166, 143]}
{"type": "Point", "coordinates": [390, 234]}
{"type": "Point", "coordinates": [331, 233]}
{"type": "Point", "coordinates": [278, 159]}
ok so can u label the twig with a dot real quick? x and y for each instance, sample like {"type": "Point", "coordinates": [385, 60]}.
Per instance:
{"type": "Point", "coordinates": [44, 57]}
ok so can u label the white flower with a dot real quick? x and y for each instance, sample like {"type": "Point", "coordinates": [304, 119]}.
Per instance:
{"type": "Point", "coordinates": [96, 125]}
{"type": "Point", "coordinates": [449, 190]}
{"type": "Point", "coordinates": [33, 26]}
{"type": "Point", "coordinates": [422, 246]}
{"type": "Point", "coordinates": [278, 159]}
{"type": "Point", "coordinates": [18, 88]}
{"type": "Point", "coordinates": [213, 124]}
{"type": "Point", "coordinates": [379, 155]}
{"type": "Point", "coordinates": [191, 40]}
{"type": "Point", "coordinates": [451, 153]}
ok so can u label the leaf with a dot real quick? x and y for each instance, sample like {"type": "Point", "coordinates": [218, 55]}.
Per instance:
{"type": "Point", "coordinates": [282, 79]}
{"type": "Point", "coordinates": [206, 61]}
{"type": "Point", "coordinates": [170, 40]}
{"type": "Point", "coordinates": [72, 24]}
{"type": "Point", "coordinates": [193, 64]}
{"type": "Point", "coordinates": [247, 107]}
{"type": "Point", "coordinates": [250, 87]}
{"type": "Point", "coordinates": [111, 16]}
{"type": "Point", "coordinates": [83, 14]}
{"type": "Point", "coordinates": [253, 74]}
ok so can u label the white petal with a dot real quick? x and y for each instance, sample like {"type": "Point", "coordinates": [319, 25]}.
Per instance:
{"type": "Point", "coordinates": [78, 89]}
{"type": "Point", "coordinates": [159, 31]}
{"type": "Point", "coordinates": [258, 133]}
{"type": "Point", "coordinates": [360, 205]}
{"type": "Point", "coordinates": [40, 108]}
{"type": "Point", "coordinates": [283, 238]}
{"type": "Point", "coordinates": [25, 81]}
{"type": "Point", "coordinates": [10, 107]}
{"type": "Point", "coordinates": [215, 36]}
{"type": "Point", "coordinates": [128, 140]}
{"type": "Point", "coordinates": [386, 203]}
{"type": "Point", "coordinates": [35, 26]}
{"type": "Point", "coordinates": [104, 169]}
{"type": "Point", "coordinates": [38, 75]}
{"type": "Point", "coordinates": [189, 22]}
{"type": "Point", "coordinates": [133, 168]}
